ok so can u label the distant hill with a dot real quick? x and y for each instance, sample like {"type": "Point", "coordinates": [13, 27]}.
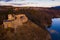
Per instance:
{"type": "Point", "coordinates": [56, 7]}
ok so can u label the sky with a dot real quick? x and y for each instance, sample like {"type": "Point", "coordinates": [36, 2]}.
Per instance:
{"type": "Point", "coordinates": [38, 3]}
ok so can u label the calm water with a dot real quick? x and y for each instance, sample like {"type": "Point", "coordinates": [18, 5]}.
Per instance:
{"type": "Point", "coordinates": [55, 29]}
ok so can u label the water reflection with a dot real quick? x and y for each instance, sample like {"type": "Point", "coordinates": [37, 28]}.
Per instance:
{"type": "Point", "coordinates": [55, 29]}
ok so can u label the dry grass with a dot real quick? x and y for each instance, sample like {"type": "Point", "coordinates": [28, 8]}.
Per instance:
{"type": "Point", "coordinates": [29, 31]}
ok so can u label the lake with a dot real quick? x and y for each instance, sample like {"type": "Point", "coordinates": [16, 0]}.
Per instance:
{"type": "Point", "coordinates": [55, 29]}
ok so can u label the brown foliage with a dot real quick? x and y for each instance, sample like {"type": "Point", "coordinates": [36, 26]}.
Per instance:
{"type": "Point", "coordinates": [29, 31]}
